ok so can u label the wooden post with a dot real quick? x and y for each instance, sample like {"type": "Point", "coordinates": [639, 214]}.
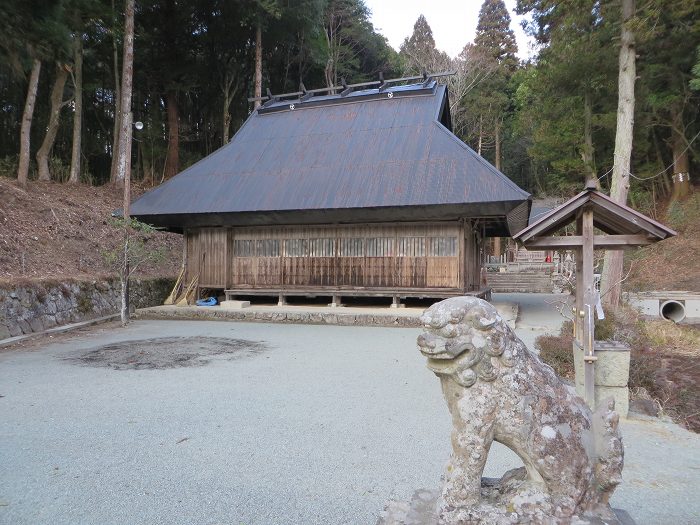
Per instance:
{"type": "Point", "coordinates": [588, 304]}
{"type": "Point", "coordinates": [578, 305]}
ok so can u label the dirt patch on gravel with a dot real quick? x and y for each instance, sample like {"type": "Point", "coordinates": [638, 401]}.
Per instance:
{"type": "Point", "coordinates": [167, 352]}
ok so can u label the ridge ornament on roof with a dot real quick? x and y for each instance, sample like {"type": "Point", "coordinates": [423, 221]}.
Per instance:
{"type": "Point", "coordinates": [337, 94]}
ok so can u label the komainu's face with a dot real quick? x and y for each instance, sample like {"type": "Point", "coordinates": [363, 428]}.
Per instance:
{"type": "Point", "coordinates": [459, 339]}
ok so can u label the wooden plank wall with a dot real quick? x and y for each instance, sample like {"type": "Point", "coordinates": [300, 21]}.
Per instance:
{"type": "Point", "coordinates": [472, 240]}
{"type": "Point", "coordinates": [207, 250]}
{"type": "Point", "coordinates": [394, 256]}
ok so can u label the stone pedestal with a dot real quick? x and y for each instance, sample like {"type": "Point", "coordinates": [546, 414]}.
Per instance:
{"type": "Point", "coordinates": [612, 372]}
{"type": "Point", "coordinates": [234, 305]}
{"type": "Point", "coordinates": [421, 510]}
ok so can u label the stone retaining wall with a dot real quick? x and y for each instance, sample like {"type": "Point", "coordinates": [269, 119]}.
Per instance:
{"type": "Point", "coordinates": [37, 305]}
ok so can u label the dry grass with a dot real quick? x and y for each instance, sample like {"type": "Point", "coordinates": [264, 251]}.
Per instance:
{"type": "Point", "coordinates": [51, 230]}
{"type": "Point", "coordinates": [556, 351]}
{"type": "Point", "coordinates": [677, 339]}
{"type": "Point", "coordinates": [670, 264]}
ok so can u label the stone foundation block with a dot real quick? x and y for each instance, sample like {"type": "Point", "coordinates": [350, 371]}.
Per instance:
{"type": "Point", "coordinates": [621, 396]}
{"type": "Point", "coordinates": [234, 305]}
{"type": "Point", "coordinates": [612, 370]}
{"type": "Point", "coordinates": [612, 367]}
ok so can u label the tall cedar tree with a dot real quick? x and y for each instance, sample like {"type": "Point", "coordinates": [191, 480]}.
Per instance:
{"type": "Point", "coordinates": [494, 35]}
{"type": "Point", "coordinates": [491, 101]}
{"type": "Point", "coordinates": [668, 36]}
{"type": "Point", "coordinates": [419, 52]}
{"type": "Point", "coordinates": [611, 279]}
{"type": "Point", "coordinates": [573, 129]}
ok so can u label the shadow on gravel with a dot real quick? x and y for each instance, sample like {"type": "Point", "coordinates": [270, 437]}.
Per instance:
{"type": "Point", "coordinates": [166, 352]}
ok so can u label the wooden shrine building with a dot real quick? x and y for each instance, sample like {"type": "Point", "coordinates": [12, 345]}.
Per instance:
{"type": "Point", "coordinates": [364, 192]}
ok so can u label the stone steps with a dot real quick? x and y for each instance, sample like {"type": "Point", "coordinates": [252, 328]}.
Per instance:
{"type": "Point", "coordinates": [530, 282]}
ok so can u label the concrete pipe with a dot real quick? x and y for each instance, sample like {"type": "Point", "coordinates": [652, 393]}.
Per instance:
{"type": "Point", "coordinates": [673, 311]}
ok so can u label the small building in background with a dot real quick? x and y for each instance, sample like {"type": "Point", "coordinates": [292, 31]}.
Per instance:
{"type": "Point", "coordinates": [366, 192]}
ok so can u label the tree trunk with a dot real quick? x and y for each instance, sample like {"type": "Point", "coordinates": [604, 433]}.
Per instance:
{"type": "Point", "coordinates": [124, 147]}
{"type": "Point", "coordinates": [329, 69]}
{"type": "Point", "coordinates": [124, 277]}
{"type": "Point", "coordinates": [226, 117]}
{"type": "Point", "coordinates": [117, 99]}
{"type": "Point", "coordinates": [258, 63]}
{"type": "Point", "coordinates": [124, 151]}
{"type": "Point", "coordinates": [612, 268]}
{"type": "Point", "coordinates": [78, 114]}
{"type": "Point", "coordinates": [497, 137]}
{"type": "Point", "coordinates": [328, 72]}
{"type": "Point", "coordinates": [481, 135]}
{"type": "Point", "coordinates": [587, 150]}
{"type": "Point", "coordinates": [172, 160]}
{"type": "Point", "coordinates": [681, 164]}
{"type": "Point", "coordinates": [27, 116]}
{"type": "Point", "coordinates": [42, 155]}
{"type": "Point", "coordinates": [146, 165]}
{"type": "Point", "coordinates": [664, 185]}
{"type": "Point", "coordinates": [229, 87]}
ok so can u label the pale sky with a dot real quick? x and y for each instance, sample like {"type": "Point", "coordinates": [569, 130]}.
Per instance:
{"type": "Point", "coordinates": [453, 22]}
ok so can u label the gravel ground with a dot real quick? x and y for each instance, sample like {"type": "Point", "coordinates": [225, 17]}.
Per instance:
{"type": "Point", "coordinates": [319, 425]}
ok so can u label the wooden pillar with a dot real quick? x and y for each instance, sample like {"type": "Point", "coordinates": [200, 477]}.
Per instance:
{"type": "Point", "coordinates": [464, 250]}
{"type": "Point", "coordinates": [227, 258]}
{"type": "Point", "coordinates": [578, 299]}
{"type": "Point", "coordinates": [588, 304]}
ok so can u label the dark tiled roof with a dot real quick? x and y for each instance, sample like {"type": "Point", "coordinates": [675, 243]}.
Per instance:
{"type": "Point", "coordinates": [336, 155]}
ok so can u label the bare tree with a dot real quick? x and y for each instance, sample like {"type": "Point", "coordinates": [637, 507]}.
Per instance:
{"type": "Point", "coordinates": [230, 85]}
{"type": "Point", "coordinates": [258, 62]}
{"type": "Point", "coordinates": [681, 160]}
{"type": "Point", "coordinates": [612, 269]}
{"type": "Point", "coordinates": [117, 97]}
{"type": "Point", "coordinates": [343, 42]}
{"type": "Point", "coordinates": [78, 110]}
{"type": "Point", "coordinates": [27, 116]}
{"type": "Point", "coordinates": [172, 158]}
{"type": "Point", "coordinates": [471, 68]}
{"type": "Point", "coordinates": [57, 103]}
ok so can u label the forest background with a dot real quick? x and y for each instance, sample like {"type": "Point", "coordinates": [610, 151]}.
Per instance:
{"type": "Point", "coordinates": [548, 123]}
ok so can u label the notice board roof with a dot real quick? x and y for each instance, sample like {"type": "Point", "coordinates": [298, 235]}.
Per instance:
{"type": "Point", "coordinates": [608, 216]}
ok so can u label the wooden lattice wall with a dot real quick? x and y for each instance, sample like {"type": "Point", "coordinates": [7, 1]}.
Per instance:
{"type": "Point", "coordinates": [386, 257]}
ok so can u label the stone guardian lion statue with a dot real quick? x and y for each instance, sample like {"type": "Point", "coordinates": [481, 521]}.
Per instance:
{"type": "Point", "coordinates": [497, 390]}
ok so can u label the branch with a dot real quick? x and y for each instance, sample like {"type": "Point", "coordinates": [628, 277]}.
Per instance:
{"type": "Point", "coordinates": [618, 282]}
{"type": "Point", "coordinates": [562, 307]}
